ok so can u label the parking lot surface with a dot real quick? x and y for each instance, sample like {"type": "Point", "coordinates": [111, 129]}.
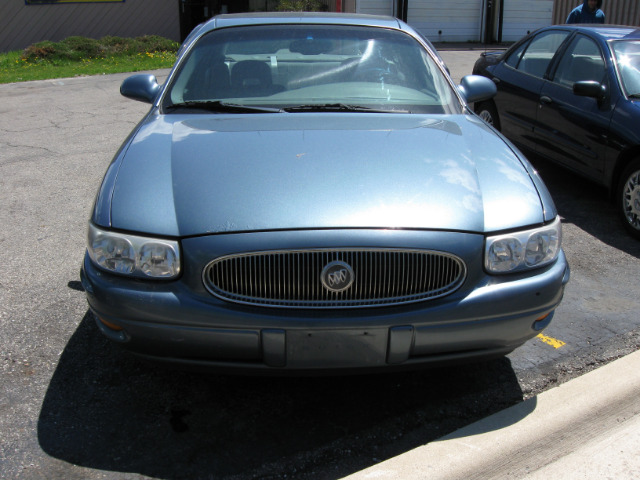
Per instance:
{"type": "Point", "coordinates": [73, 405]}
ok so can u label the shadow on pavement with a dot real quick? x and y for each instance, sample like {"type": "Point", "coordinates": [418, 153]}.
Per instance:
{"type": "Point", "coordinates": [107, 410]}
{"type": "Point", "coordinates": [586, 205]}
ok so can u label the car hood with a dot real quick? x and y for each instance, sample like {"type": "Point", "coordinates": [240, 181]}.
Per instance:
{"type": "Point", "coordinates": [184, 175]}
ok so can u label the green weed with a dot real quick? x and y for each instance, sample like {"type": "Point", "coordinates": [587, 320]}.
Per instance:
{"type": "Point", "coordinates": [78, 56]}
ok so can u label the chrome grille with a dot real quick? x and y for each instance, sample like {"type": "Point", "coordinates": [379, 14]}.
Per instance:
{"type": "Point", "coordinates": [292, 278]}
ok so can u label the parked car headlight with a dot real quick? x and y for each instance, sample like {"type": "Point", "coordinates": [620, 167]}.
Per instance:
{"type": "Point", "coordinates": [133, 255]}
{"type": "Point", "coordinates": [518, 251]}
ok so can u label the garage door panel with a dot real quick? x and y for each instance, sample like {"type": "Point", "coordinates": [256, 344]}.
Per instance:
{"type": "Point", "coordinates": [523, 16]}
{"type": "Point", "coordinates": [452, 21]}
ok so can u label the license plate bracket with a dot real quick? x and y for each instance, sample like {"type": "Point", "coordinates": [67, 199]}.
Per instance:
{"type": "Point", "coordinates": [351, 348]}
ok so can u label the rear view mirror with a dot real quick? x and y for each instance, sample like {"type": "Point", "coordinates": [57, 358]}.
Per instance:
{"type": "Point", "coordinates": [143, 88]}
{"type": "Point", "coordinates": [476, 88]}
{"type": "Point", "coordinates": [311, 46]}
{"type": "Point", "coordinates": [589, 88]}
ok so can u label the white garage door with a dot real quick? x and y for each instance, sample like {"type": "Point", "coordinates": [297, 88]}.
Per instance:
{"type": "Point", "coordinates": [462, 20]}
{"type": "Point", "coordinates": [523, 16]}
{"type": "Point", "coordinates": [438, 20]}
{"type": "Point", "coordinates": [446, 21]}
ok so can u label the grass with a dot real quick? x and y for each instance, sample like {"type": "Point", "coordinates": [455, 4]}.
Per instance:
{"type": "Point", "coordinates": [78, 56]}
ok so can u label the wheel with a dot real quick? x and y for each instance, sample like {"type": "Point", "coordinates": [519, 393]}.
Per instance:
{"type": "Point", "coordinates": [487, 111]}
{"type": "Point", "coordinates": [629, 197]}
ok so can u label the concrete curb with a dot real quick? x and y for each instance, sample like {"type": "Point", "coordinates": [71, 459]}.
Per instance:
{"type": "Point", "coordinates": [588, 427]}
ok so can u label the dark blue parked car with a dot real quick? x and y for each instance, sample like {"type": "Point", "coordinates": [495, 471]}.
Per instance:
{"type": "Point", "coordinates": [572, 95]}
{"type": "Point", "coordinates": [312, 193]}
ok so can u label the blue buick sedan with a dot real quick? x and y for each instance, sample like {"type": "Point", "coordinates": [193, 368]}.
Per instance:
{"type": "Point", "coordinates": [312, 194]}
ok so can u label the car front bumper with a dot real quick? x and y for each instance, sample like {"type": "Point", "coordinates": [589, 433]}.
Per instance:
{"type": "Point", "coordinates": [179, 323]}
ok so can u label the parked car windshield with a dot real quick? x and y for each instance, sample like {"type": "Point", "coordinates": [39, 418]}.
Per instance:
{"type": "Point", "coordinates": [627, 55]}
{"type": "Point", "coordinates": [310, 68]}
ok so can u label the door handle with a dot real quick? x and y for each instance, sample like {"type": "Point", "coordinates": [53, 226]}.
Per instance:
{"type": "Point", "coordinates": [496, 80]}
{"type": "Point", "coordinates": [546, 100]}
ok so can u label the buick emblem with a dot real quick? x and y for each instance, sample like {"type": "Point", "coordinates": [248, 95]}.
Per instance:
{"type": "Point", "coordinates": [337, 276]}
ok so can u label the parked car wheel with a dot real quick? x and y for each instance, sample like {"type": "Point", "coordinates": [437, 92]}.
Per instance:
{"type": "Point", "coordinates": [488, 112]}
{"type": "Point", "coordinates": [629, 197]}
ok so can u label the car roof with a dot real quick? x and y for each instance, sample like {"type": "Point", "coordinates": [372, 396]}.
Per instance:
{"type": "Point", "coordinates": [606, 32]}
{"type": "Point", "coordinates": [267, 18]}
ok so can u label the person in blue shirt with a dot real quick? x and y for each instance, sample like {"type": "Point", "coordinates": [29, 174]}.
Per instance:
{"type": "Point", "coordinates": [588, 12]}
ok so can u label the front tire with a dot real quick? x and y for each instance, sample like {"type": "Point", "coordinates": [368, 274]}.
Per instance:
{"type": "Point", "coordinates": [628, 194]}
{"type": "Point", "coordinates": [487, 111]}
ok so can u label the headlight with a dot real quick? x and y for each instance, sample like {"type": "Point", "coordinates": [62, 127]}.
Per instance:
{"type": "Point", "coordinates": [524, 250]}
{"type": "Point", "coordinates": [133, 255]}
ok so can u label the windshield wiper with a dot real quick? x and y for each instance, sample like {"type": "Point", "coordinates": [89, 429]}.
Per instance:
{"type": "Point", "coordinates": [338, 107]}
{"type": "Point", "coordinates": [221, 107]}
{"type": "Point", "coordinates": [634, 95]}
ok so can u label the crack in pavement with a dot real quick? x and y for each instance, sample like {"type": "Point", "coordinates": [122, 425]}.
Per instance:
{"type": "Point", "coordinates": [29, 147]}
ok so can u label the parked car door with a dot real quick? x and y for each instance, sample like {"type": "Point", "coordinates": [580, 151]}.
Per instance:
{"type": "Point", "coordinates": [520, 79]}
{"type": "Point", "coordinates": [573, 129]}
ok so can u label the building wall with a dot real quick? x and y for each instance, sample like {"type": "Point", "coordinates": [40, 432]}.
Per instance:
{"type": "Point", "coordinates": [617, 12]}
{"type": "Point", "coordinates": [272, 5]}
{"type": "Point", "coordinates": [375, 7]}
{"type": "Point", "coordinates": [349, 6]}
{"type": "Point", "coordinates": [21, 25]}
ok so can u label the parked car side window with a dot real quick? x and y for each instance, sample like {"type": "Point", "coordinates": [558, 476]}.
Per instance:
{"type": "Point", "coordinates": [540, 52]}
{"type": "Point", "coordinates": [582, 61]}
{"type": "Point", "coordinates": [514, 58]}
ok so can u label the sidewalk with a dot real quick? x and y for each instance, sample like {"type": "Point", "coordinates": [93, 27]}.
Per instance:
{"type": "Point", "coordinates": [587, 428]}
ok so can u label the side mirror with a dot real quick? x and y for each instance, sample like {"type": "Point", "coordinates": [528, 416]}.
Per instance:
{"type": "Point", "coordinates": [143, 88]}
{"type": "Point", "coordinates": [589, 88]}
{"type": "Point", "coordinates": [476, 88]}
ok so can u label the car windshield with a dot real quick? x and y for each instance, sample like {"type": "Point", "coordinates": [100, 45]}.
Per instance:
{"type": "Point", "coordinates": [627, 55]}
{"type": "Point", "coordinates": [309, 68]}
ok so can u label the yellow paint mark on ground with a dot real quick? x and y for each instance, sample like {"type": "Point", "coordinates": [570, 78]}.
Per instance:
{"type": "Point", "coordinates": [555, 343]}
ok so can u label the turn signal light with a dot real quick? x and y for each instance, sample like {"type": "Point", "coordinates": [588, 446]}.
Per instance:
{"type": "Point", "coordinates": [539, 319]}
{"type": "Point", "coordinates": [112, 326]}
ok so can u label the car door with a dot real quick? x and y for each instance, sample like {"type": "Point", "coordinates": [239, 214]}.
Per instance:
{"type": "Point", "coordinates": [519, 79]}
{"type": "Point", "coordinates": [572, 129]}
